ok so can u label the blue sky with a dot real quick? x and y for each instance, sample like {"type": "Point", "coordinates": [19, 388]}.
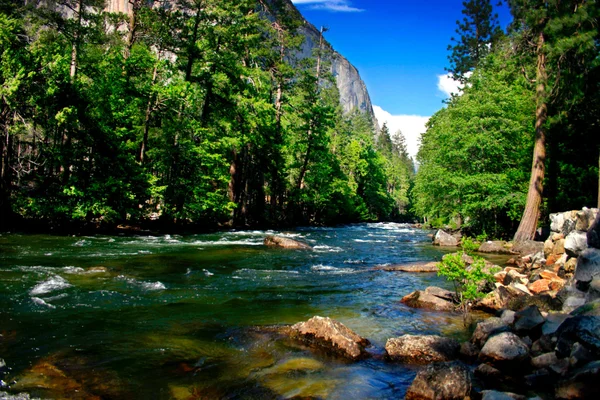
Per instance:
{"type": "Point", "coordinates": [399, 48]}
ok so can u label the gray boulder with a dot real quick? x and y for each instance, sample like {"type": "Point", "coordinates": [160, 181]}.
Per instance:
{"type": "Point", "coordinates": [441, 381]}
{"type": "Point", "coordinates": [585, 219]}
{"type": "Point", "coordinates": [528, 319]}
{"type": "Point", "coordinates": [582, 329]}
{"type": "Point", "coordinates": [504, 348]}
{"type": "Point", "coordinates": [593, 234]}
{"type": "Point", "coordinates": [575, 243]}
{"type": "Point", "coordinates": [422, 349]}
{"type": "Point", "coordinates": [588, 266]}
{"type": "Point", "coordinates": [487, 328]}
{"type": "Point", "coordinates": [444, 239]}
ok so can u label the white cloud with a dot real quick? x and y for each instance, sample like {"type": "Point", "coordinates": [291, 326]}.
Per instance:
{"type": "Point", "coordinates": [449, 86]}
{"type": "Point", "coordinates": [411, 127]}
{"type": "Point", "coordinates": [329, 5]}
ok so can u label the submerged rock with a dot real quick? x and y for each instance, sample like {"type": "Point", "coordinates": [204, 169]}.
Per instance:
{"type": "Point", "coordinates": [441, 381]}
{"type": "Point", "coordinates": [286, 243]}
{"type": "Point", "coordinates": [425, 299]}
{"type": "Point", "coordinates": [331, 335]}
{"type": "Point", "coordinates": [422, 349]}
{"type": "Point", "coordinates": [496, 395]}
{"type": "Point", "coordinates": [581, 383]}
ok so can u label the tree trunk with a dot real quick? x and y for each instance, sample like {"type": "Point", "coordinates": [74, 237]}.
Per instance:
{"type": "Point", "coordinates": [528, 225]}
{"type": "Point", "coordinates": [74, 48]}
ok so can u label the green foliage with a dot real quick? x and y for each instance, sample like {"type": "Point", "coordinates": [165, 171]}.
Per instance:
{"type": "Point", "coordinates": [195, 117]}
{"type": "Point", "coordinates": [474, 156]}
{"type": "Point", "coordinates": [467, 279]}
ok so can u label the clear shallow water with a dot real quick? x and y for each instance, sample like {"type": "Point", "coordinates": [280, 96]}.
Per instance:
{"type": "Point", "coordinates": [185, 317]}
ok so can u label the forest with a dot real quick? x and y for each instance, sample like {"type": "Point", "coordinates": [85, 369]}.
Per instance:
{"type": "Point", "coordinates": [186, 113]}
{"type": "Point", "coordinates": [198, 113]}
{"type": "Point", "coordinates": [522, 139]}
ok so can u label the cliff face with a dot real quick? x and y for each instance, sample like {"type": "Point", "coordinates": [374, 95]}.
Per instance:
{"type": "Point", "coordinates": [353, 91]}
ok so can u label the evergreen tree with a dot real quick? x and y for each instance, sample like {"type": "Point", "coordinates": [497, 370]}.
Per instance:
{"type": "Point", "coordinates": [477, 33]}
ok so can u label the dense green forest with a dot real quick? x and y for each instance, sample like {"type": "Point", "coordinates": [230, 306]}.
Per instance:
{"type": "Point", "coordinates": [187, 112]}
{"type": "Point", "coordinates": [523, 138]}
{"type": "Point", "coordinates": [199, 113]}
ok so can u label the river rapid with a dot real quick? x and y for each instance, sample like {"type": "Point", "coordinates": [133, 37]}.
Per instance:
{"type": "Point", "coordinates": [188, 317]}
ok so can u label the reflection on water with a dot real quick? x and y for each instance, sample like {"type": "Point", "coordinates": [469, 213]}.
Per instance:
{"type": "Point", "coordinates": [191, 317]}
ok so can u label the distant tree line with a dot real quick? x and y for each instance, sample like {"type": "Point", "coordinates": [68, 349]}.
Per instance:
{"type": "Point", "coordinates": [190, 112]}
{"type": "Point", "coordinates": [532, 91]}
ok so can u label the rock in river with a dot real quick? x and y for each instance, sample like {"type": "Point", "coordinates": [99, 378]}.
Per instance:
{"type": "Point", "coordinates": [428, 300]}
{"type": "Point", "coordinates": [331, 335]}
{"type": "Point", "coordinates": [441, 381]}
{"type": "Point", "coordinates": [422, 349]}
{"type": "Point", "coordinates": [414, 267]}
{"type": "Point", "coordinates": [286, 243]}
{"type": "Point", "coordinates": [444, 239]}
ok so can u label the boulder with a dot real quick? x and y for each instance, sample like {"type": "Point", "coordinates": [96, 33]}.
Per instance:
{"type": "Point", "coordinates": [422, 349]}
{"type": "Point", "coordinates": [593, 292]}
{"type": "Point", "coordinates": [495, 247]}
{"type": "Point", "coordinates": [548, 246]}
{"type": "Point", "coordinates": [582, 329]}
{"type": "Point", "coordinates": [498, 299]}
{"type": "Point", "coordinates": [528, 319]}
{"type": "Point", "coordinates": [444, 239]}
{"type": "Point", "coordinates": [487, 328]}
{"type": "Point", "coordinates": [553, 322]}
{"type": "Point", "coordinates": [441, 293]}
{"type": "Point", "coordinates": [504, 348]}
{"type": "Point", "coordinates": [585, 218]}
{"type": "Point", "coordinates": [468, 351]}
{"type": "Point", "coordinates": [423, 299]}
{"type": "Point", "coordinates": [593, 234]}
{"type": "Point", "coordinates": [286, 243]}
{"type": "Point", "coordinates": [331, 335]}
{"type": "Point", "coordinates": [588, 265]}
{"type": "Point", "coordinates": [543, 345]}
{"type": "Point", "coordinates": [539, 286]}
{"type": "Point", "coordinates": [514, 276]}
{"type": "Point", "coordinates": [544, 360]}
{"type": "Point", "coordinates": [557, 221]}
{"type": "Point", "coordinates": [591, 308]}
{"type": "Point", "coordinates": [527, 247]}
{"type": "Point", "coordinates": [508, 316]}
{"type": "Point", "coordinates": [579, 356]}
{"type": "Point", "coordinates": [582, 383]}
{"type": "Point", "coordinates": [441, 381]}
{"type": "Point", "coordinates": [570, 265]}
{"type": "Point", "coordinates": [496, 395]}
{"type": "Point", "coordinates": [413, 267]}
{"type": "Point", "coordinates": [575, 243]}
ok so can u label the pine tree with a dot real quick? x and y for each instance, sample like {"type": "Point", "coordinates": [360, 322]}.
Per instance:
{"type": "Point", "coordinates": [478, 32]}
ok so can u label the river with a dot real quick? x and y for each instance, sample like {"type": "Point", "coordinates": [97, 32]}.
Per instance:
{"type": "Point", "coordinates": [184, 317]}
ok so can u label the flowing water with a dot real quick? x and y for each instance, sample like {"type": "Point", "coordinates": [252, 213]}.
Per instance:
{"type": "Point", "coordinates": [191, 317]}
